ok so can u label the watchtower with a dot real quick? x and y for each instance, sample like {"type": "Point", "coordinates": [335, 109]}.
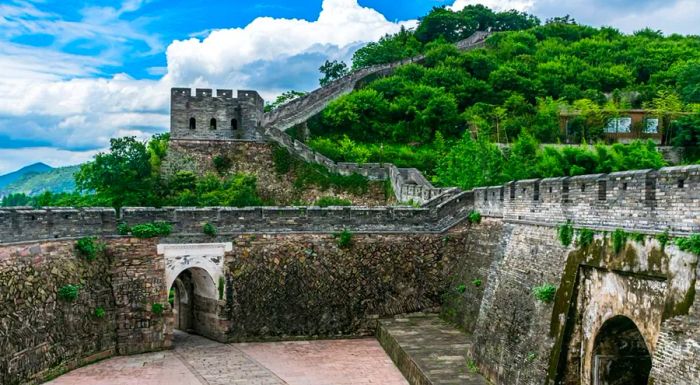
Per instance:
{"type": "Point", "coordinates": [221, 117]}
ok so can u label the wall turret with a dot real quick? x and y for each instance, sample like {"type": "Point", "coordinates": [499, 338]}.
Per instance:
{"type": "Point", "coordinates": [221, 117]}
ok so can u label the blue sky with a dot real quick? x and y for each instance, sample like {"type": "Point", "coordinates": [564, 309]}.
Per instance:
{"type": "Point", "coordinates": [76, 73]}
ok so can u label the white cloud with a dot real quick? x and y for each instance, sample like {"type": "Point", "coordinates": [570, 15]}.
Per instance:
{"type": "Point", "coordinates": [227, 56]}
{"type": "Point", "coordinates": [497, 5]}
{"type": "Point", "coordinates": [16, 158]}
{"type": "Point", "coordinates": [53, 97]}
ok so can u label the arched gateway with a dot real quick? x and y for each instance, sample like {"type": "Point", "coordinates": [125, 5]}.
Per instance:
{"type": "Point", "coordinates": [195, 272]}
{"type": "Point", "coordinates": [620, 354]}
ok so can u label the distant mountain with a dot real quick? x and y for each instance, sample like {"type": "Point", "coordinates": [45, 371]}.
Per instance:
{"type": "Point", "coordinates": [31, 169]}
{"type": "Point", "coordinates": [41, 179]}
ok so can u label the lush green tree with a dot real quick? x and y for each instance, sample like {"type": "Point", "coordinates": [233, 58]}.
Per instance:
{"type": "Point", "coordinates": [332, 70]}
{"type": "Point", "coordinates": [285, 98]}
{"type": "Point", "coordinates": [689, 81]}
{"type": "Point", "coordinates": [123, 175]}
{"type": "Point", "coordinates": [388, 49]}
{"type": "Point", "coordinates": [16, 199]}
{"type": "Point", "coordinates": [470, 163]}
{"type": "Point", "coordinates": [687, 136]}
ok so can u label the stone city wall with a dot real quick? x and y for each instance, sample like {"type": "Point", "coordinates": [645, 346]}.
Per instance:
{"type": "Point", "coordinates": [42, 334]}
{"type": "Point", "coordinates": [668, 198]}
{"type": "Point", "coordinates": [520, 339]}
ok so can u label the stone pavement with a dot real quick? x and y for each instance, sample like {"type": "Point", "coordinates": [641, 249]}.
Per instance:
{"type": "Point", "coordinates": [198, 361]}
{"type": "Point", "coordinates": [428, 351]}
{"type": "Point", "coordinates": [338, 362]}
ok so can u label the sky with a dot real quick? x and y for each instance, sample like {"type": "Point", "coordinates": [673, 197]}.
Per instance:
{"type": "Point", "coordinates": [74, 74]}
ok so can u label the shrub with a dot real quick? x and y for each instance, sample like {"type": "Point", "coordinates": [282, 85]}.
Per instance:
{"type": "Point", "coordinates": [157, 308]}
{"type": "Point", "coordinates": [474, 217]}
{"type": "Point", "coordinates": [637, 237]}
{"type": "Point", "coordinates": [690, 244]}
{"type": "Point", "coordinates": [283, 160]}
{"type": "Point", "coordinates": [472, 367]}
{"type": "Point", "coordinates": [88, 248]}
{"type": "Point", "coordinates": [151, 230]}
{"type": "Point", "coordinates": [544, 293]}
{"type": "Point", "coordinates": [566, 233]}
{"type": "Point", "coordinates": [69, 293]}
{"type": "Point", "coordinates": [461, 288]}
{"type": "Point", "coordinates": [99, 312]}
{"type": "Point", "coordinates": [477, 282]}
{"type": "Point", "coordinates": [209, 229]}
{"type": "Point", "coordinates": [327, 201]}
{"type": "Point", "coordinates": [344, 238]}
{"type": "Point", "coordinates": [123, 229]}
{"type": "Point", "coordinates": [619, 238]}
{"type": "Point", "coordinates": [222, 164]}
{"type": "Point", "coordinates": [222, 286]}
{"type": "Point", "coordinates": [585, 237]}
{"type": "Point", "coordinates": [663, 239]}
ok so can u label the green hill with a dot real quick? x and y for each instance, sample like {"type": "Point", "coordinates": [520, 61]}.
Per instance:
{"type": "Point", "coordinates": [56, 180]}
{"type": "Point", "coordinates": [31, 169]}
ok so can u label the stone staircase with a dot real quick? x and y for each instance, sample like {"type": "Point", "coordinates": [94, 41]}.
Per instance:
{"type": "Point", "coordinates": [428, 351]}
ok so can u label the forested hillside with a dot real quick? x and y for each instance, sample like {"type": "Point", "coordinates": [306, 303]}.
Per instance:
{"type": "Point", "coordinates": [439, 115]}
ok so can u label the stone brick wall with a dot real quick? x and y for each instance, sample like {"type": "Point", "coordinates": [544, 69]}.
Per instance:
{"type": "Point", "coordinates": [677, 352]}
{"type": "Point", "coordinates": [468, 278]}
{"type": "Point", "coordinates": [235, 118]}
{"type": "Point", "coordinates": [645, 200]}
{"type": "Point", "coordinates": [41, 334]}
{"type": "Point", "coordinates": [519, 339]}
{"type": "Point", "coordinates": [138, 282]}
{"type": "Point", "coordinates": [256, 158]}
{"type": "Point", "coordinates": [281, 286]}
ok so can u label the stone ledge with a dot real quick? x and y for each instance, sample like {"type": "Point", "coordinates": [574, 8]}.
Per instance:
{"type": "Point", "coordinates": [427, 350]}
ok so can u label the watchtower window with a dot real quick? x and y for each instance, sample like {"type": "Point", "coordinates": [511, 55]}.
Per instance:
{"type": "Point", "coordinates": [681, 183]}
{"type": "Point", "coordinates": [234, 124]}
{"type": "Point", "coordinates": [193, 124]}
{"type": "Point", "coordinates": [602, 190]}
{"type": "Point", "coordinates": [212, 124]}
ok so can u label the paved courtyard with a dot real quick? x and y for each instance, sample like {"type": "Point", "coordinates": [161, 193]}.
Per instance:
{"type": "Point", "coordinates": [196, 361]}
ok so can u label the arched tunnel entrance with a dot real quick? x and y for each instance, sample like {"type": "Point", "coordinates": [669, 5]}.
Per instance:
{"type": "Point", "coordinates": [195, 304]}
{"type": "Point", "coordinates": [620, 354]}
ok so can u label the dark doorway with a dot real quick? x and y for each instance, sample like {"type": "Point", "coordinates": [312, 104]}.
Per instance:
{"type": "Point", "coordinates": [620, 355]}
{"type": "Point", "coordinates": [195, 303]}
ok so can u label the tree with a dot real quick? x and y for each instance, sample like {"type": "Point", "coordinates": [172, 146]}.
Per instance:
{"type": "Point", "coordinates": [389, 48]}
{"type": "Point", "coordinates": [470, 163]}
{"type": "Point", "coordinates": [687, 135]}
{"type": "Point", "coordinates": [285, 98]}
{"type": "Point", "coordinates": [332, 70]}
{"type": "Point", "coordinates": [689, 82]}
{"type": "Point", "coordinates": [122, 175]}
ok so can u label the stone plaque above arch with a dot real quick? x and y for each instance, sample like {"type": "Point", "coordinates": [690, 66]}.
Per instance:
{"type": "Point", "coordinates": [206, 256]}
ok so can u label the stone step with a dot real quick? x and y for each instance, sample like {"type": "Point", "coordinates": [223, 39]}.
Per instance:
{"type": "Point", "coordinates": [428, 351]}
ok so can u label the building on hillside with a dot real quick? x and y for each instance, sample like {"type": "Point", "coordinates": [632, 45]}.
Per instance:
{"type": "Point", "coordinates": [623, 125]}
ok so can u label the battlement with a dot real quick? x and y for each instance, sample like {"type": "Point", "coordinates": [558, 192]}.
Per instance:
{"type": "Point", "coordinates": [27, 223]}
{"type": "Point", "coordinates": [642, 199]}
{"type": "Point", "coordinates": [203, 116]}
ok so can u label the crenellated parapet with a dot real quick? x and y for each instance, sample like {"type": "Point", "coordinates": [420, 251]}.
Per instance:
{"type": "Point", "coordinates": [668, 198]}
{"type": "Point", "coordinates": [206, 115]}
{"type": "Point", "coordinates": [644, 200]}
{"type": "Point", "coordinates": [27, 223]}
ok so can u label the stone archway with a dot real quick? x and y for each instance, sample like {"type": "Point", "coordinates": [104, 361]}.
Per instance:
{"type": "Point", "coordinates": [195, 305]}
{"type": "Point", "coordinates": [620, 354]}
{"type": "Point", "coordinates": [196, 273]}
